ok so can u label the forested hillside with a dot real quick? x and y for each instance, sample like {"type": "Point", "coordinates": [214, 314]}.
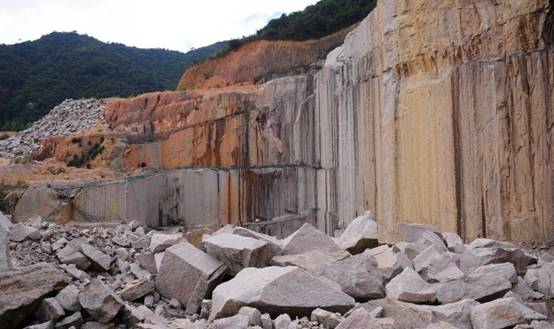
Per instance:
{"type": "Point", "coordinates": [36, 76]}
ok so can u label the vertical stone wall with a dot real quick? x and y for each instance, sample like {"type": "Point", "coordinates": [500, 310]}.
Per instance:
{"type": "Point", "coordinates": [440, 112]}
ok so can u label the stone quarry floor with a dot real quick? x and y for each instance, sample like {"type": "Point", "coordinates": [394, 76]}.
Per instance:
{"type": "Point", "coordinates": [126, 276]}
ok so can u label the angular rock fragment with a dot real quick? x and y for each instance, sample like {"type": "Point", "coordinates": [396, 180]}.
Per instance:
{"type": "Point", "coordinates": [360, 235]}
{"type": "Point", "coordinates": [327, 319]}
{"type": "Point", "coordinates": [134, 315]}
{"type": "Point", "coordinates": [253, 314]}
{"type": "Point", "coordinates": [237, 252]}
{"type": "Point", "coordinates": [138, 272]}
{"type": "Point", "coordinates": [454, 242]}
{"type": "Point", "coordinates": [267, 323]}
{"type": "Point", "coordinates": [234, 322]}
{"type": "Point", "coordinates": [160, 242]}
{"type": "Point", "coordinates": [541, 278]}
{"type": "Point", "coordinates": [444, 268]}
{"type": "Point", "coordinates": [44, 325]}
{"type": "Point", "coordinates": [390, 263]}
{"type": "Point", "coordinates": [414, 232]}
{"type": "Point", "coordinates": [137, 290]}
{"type": "Point", "coordinates": [188, 275]}
{"type": "Point", "coordinates": [283, 321]}
{"type": "Point", "coordinates": [68, 298]}
{"type": "Point", "coordinates": [23, 289]}
{"type": "Point", "coordinates": [310, 260]}
{"type": "Point", "coordinates": [482, 284]}
{"type": "Point", "coordinates": [360, 318]}
{"type": "Point", "coordinates": [422, 261]}
{"type": "Point", "coordinates": [353, 277]}
{"type": "Point", "coordinates": [307, 238]}
{"type": "Point", "coordinates": [524, 291]}
{"type": "Point", "coordinates": [75, 272]}
{"type": "Point", "coordinates": [408, 286]}
{"type": "Point", "coordinates": [49, 309]}
{"type": "Point", "coordinates": [96, 325]}
{"type": "Point", "coordinates": [75, 320]}
{"type": "Point", "coordinates": [99, 301]}
{"type": "Point", "coordinates": [274, 245]}
{"type": "Point", "coordinates": [71, 255]}
{"type": "Point", "coordinates": [98, 259]}
{"type": "Point", "coordinates": [277, 290]}
{"type": "Point", "coordinates": [147, 260]}
{"type": "Point", "coordinates": [408, 315]}
{"type": "Point", "coordinates": [502, 313]}
{"type": "Point", "coordinates": [21, 232]}
{"type": "Point", "coordinates": [486, 251]}
{"type": "Point", "coordinates": [195, 236]}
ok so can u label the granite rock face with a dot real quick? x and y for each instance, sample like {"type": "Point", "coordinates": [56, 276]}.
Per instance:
{"type": "Point", "coordinates": [440, 106]}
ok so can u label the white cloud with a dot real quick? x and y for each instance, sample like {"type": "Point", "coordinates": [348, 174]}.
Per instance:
{"type": "Point", "coordinates": [172, 24]}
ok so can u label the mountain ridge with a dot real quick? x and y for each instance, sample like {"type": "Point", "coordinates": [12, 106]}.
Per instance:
{"type": "Point", "coordinates": [37, 75]}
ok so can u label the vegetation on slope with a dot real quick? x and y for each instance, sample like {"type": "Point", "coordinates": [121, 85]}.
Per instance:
{"type": "Point", "coordinates": [38, 75]}
{"type": "Point", "coordinates": [314, 22]}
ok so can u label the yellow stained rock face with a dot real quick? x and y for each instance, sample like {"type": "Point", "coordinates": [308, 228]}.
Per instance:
{"type": "Point", "coordinates": [445, 108]}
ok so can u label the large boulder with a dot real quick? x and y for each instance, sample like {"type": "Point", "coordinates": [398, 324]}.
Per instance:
{"type": "Point", "coordinates": [99, 301]}
{"type": "Point", "coordinates": [408, 286]}
{"type": "Point", "coordinates": [307, 238]}
{"type": "Point", "coordinates": [359, 235]}
{"type": "Point", "coordinates": [277, 290]}
{"type": "Point", "coordinates": [502, 313]}
{"type": "Point", "coordinates": [354, 278]}
{"type": "Point", "coordinates": [189, 275]}
{"type": "Point", "coordinates": [487, 251]}
{"type": "Point", "coordinates": [237, 252]}
{"type": "Point", "coordinates": [482, 284]}
{"type": "Point", "coordinates": [409, 316]}
{"type": "Point", "coordinates": [22, 291]}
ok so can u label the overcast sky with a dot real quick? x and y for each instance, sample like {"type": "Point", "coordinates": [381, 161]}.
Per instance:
{"type": "Point", "coordinates": [171, 24]}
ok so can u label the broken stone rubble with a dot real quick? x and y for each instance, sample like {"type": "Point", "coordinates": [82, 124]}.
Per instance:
{"type": "Point", "coordinates": [70, 117]}
{"type": "Point", "coordinates": [318, 293]}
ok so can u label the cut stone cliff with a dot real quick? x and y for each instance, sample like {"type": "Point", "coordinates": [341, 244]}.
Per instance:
{"type": "Point", "coordinates": [440, 112]}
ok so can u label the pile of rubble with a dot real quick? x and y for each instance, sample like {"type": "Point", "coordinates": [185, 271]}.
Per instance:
{"type": "Point", "coordinates": [70, 117]}
{"type": "Point", "coordinates": [107, 277]}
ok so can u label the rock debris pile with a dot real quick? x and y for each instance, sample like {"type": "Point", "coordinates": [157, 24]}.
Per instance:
{"type": "Point", "coordinates": [70, 117]}
{"type": "Point", "coordinates": [118, 277]}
